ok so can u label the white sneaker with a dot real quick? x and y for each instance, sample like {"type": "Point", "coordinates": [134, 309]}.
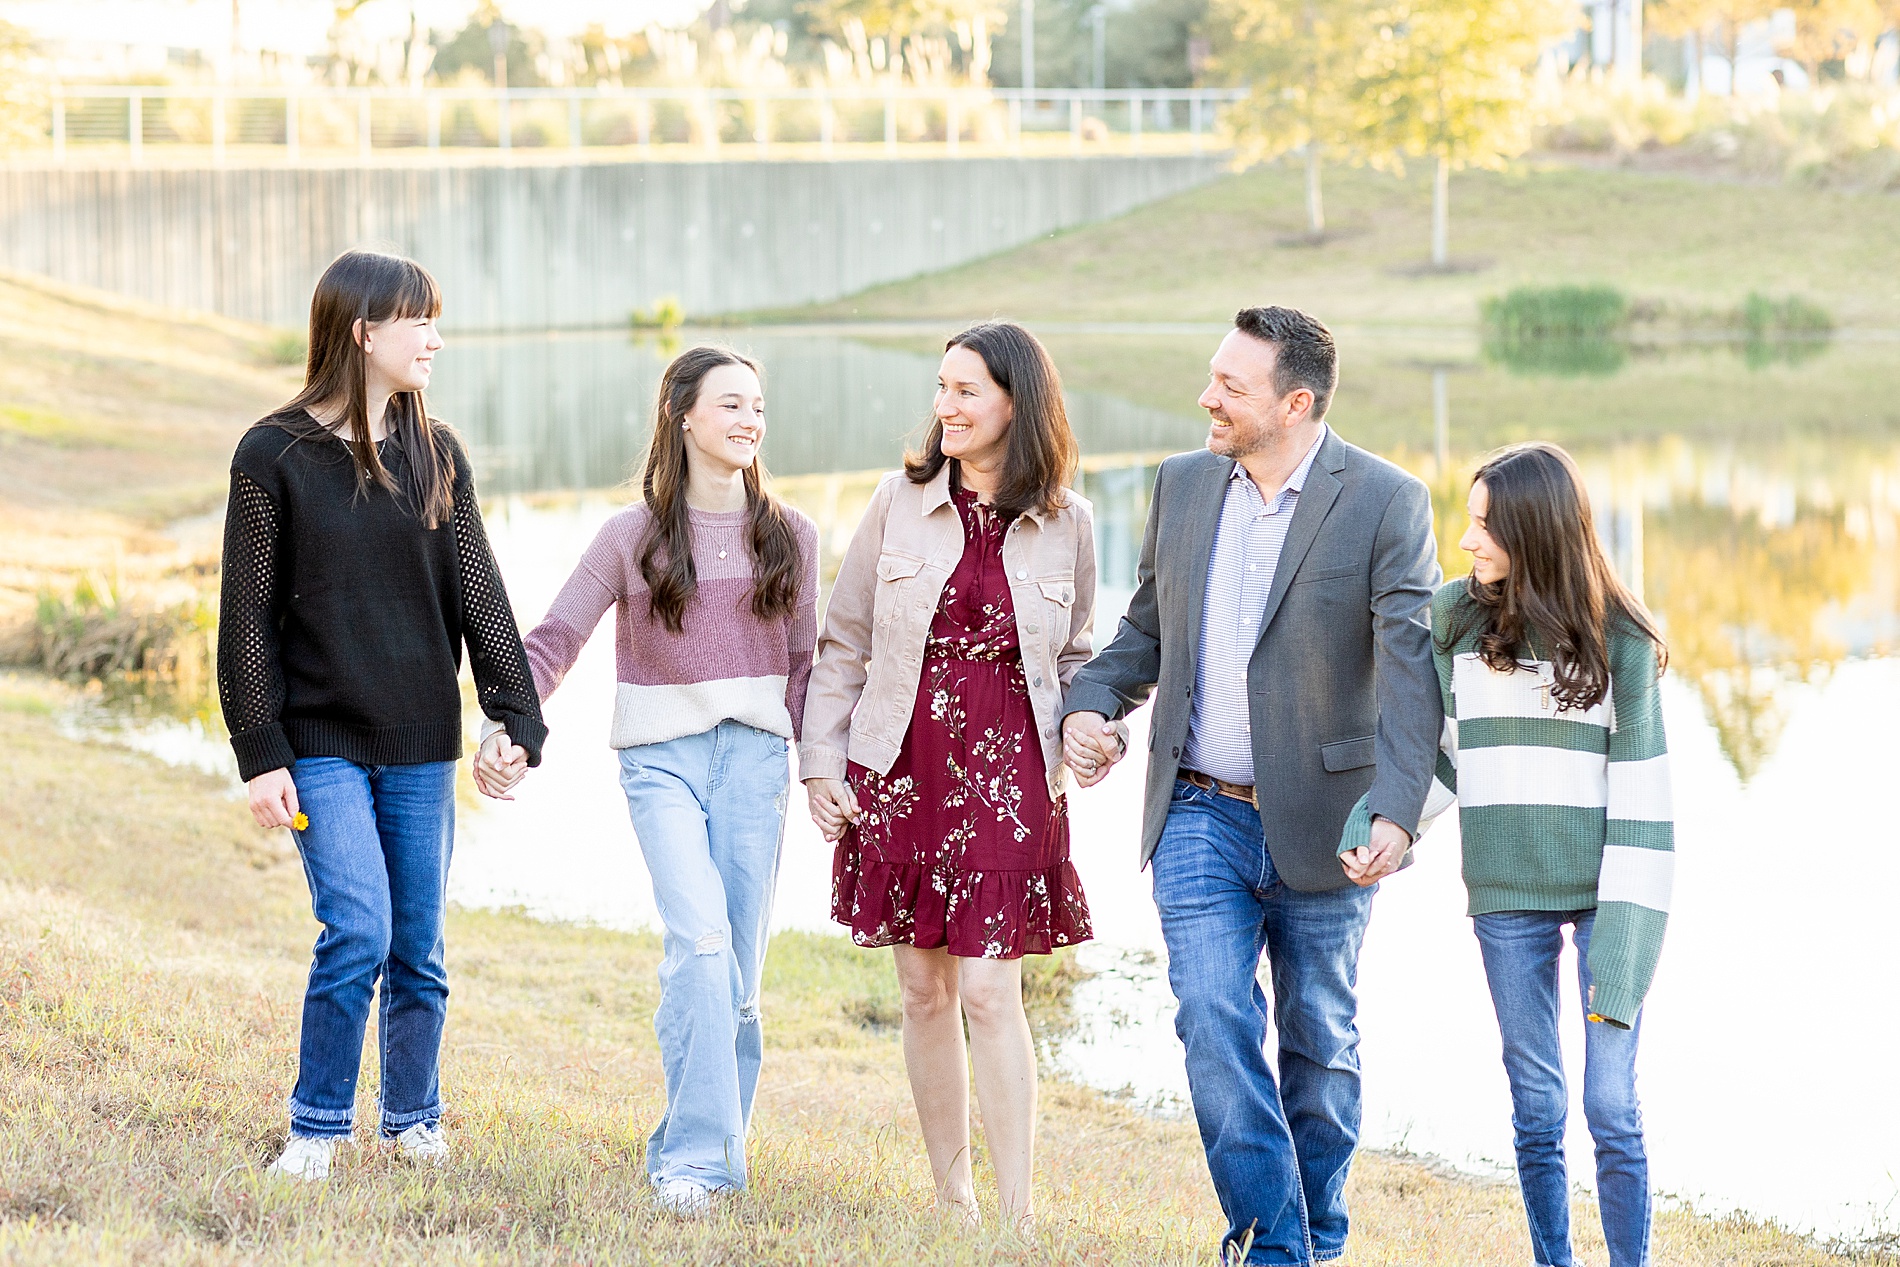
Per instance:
{"type": "Point", "coordinates": [423, 1144]}
{"type": "Point", "coordinates": [305, 1158]}
{"type": "Point", "coordinates": [686, 1198]}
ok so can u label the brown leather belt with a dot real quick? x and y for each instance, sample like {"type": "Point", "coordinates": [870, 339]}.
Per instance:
{"type": "Point", "coordinates": [1207, 782]}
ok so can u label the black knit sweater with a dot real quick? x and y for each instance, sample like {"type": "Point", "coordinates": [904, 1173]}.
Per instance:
{"type": "Point", "coordinates": [342, 620]}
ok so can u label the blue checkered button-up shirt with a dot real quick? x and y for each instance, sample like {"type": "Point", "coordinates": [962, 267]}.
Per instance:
{"type": "Point", "coordinates": [1240, 570]}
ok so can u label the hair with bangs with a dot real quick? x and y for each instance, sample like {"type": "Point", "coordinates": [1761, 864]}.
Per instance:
{"type": "Point", "coordinates": [1041, 456]}
{"type": "Point", "coordinates": [368, 287]}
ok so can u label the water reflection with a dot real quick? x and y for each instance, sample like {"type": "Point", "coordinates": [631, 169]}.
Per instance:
{"type": "Point", "coordinates": [1758, 542]}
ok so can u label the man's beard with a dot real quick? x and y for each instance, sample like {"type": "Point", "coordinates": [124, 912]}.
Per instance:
{"type": "Point", "coordinates": [1235, 442]}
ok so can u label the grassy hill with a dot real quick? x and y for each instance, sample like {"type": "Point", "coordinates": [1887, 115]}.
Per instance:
{"type": "Point", "coordinates": [1201, 255]}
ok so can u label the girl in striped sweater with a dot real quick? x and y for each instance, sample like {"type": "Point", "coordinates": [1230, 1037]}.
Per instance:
{"type": "Point", "coordinates": [1555, 748]}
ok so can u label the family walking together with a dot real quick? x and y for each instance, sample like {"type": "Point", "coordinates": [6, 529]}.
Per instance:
{"type": "Point", "coordinates": [1318, 697]}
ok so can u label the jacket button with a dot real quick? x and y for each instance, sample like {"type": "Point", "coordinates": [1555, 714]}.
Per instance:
{"type": "Point", "coordinates": [1038, 681]}
{"type": "Point", "coordinates": [1049, 732]}
{"type": "Point", "coordinates": [1177, 754]}
{"type": "Point", "coordinates": [1022, 574]}
{"type": "Point", "coordinates": [1029, 629]}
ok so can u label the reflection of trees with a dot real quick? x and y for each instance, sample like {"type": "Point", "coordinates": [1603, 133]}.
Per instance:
{"type": "Point", "coordinates": [1742, 603]}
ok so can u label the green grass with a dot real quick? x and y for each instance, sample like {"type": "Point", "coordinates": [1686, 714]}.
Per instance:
{"type": "Point", "coordinates": [1200, 256]}
{"type": "Point", "coordinates": [152, 952]}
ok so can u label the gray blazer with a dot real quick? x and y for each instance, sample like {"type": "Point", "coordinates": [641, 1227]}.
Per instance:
{"type": "Point", "coordinates": [1341, 687]}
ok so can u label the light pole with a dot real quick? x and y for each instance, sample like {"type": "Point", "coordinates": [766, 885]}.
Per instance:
{"type": "Point", "coordinates": [1029, 46]}
{"type": "Point", "coordinates": [1099, 16]}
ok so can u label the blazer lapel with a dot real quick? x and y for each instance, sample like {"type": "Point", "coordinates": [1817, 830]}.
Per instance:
{"type": "Point", "coordinates": [1198, 520]}
{"type": "Point", "coordinates": [1316, 500]}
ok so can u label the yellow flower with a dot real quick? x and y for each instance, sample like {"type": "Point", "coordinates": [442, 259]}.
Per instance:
{"type": "Point", "coordinates": [301, 821]}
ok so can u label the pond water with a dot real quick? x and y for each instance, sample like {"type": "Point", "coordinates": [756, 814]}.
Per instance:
{"type": "Point", "coordinates": [1753, 497]}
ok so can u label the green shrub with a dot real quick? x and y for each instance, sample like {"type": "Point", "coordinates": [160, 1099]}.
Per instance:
{"type": "Point", "coordinates": [1557, 312]}
{"type": "Point", "coordinates": [667, 313]}
{"type": "Point", "coordinates": [1790, 317]}
{"type": "Point", "coordinates": [287, 347]}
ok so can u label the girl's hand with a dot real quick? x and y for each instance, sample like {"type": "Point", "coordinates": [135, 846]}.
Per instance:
{"type": "Point", "coordinates": [273, 798]}
{"type": "Point", "coordinates": [500, 764]}
{"type": "Point", "coordinates": [834, 806]}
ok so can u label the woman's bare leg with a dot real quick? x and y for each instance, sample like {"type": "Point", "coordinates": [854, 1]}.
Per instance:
{"type": "Point", "coordinates": [939, 1072]}
{"type": "Point", "coordinates": [1004, 1058]}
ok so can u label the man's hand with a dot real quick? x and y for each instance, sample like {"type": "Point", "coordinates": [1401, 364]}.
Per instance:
{"type": "Point", "coordinates": [1372, 862]}
{"type": "Point", "coordinates": [500, 764]}
{"type": "Point", "coordinates": [1091, 745]}
{"type": "Point", "coordinates": [273, 798]}
{"type": "Point", "coordinates": [834, 806]}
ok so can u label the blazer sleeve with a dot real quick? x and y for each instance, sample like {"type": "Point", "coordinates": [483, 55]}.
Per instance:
{"type": "Point", "coordinates": [844, 649]}
{"type": "Point", "coordinates": [1404, 576]}
{"type": "Point", "coordinates": [1118, 681]}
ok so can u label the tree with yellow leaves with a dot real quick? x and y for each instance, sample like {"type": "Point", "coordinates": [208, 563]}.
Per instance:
{"type": "Point", "coordinates": [1721, 19]}
{"type": "Point", "coordinates": [1301, 58]}
{"type": "Point", "coordinates": [1450, 82]}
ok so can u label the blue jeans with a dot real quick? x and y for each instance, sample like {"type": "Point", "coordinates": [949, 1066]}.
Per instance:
{"type": "Point", "coordinates": [709, 811]}
{"type": "Point", "coordinates": [1520, 961]}
{"type": "Point", "coordinates": [376, 854]}
{"type": "Point", "coordinates": [1278, 1154]}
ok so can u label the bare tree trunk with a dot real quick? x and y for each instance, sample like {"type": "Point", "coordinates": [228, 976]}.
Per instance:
{"type": "Point", "coordinates": [1315, 206]}
{"type": "Point", "coordinates": [1441, 213]}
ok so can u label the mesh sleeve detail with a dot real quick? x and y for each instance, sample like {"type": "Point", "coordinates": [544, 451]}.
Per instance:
{"type": "Point", "coordinates": [504, 682]}
{"type": "Point", "coordinates": [250, 675]}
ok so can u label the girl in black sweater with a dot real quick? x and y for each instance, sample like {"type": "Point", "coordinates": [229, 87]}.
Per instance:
{"type": "Point", "coordinates": [355, 568]}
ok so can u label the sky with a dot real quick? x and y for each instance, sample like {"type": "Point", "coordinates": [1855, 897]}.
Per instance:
{"type": "Point", "coordinates": [302, 26]}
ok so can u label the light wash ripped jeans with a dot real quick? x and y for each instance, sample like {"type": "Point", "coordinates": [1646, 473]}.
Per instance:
{"type": "Point", "coordinates": [709, 810]}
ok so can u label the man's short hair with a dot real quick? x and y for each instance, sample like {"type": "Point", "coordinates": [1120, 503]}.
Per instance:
{"type": "Point", "coordinates": [1304, 351]}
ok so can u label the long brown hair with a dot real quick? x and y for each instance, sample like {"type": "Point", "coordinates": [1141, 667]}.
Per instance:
{"type": "Point", "coordinates": [666, 558]}
{"type": "Point", "coordinates": [1042, 455]}
{"type": "Point", "coordinates": [371, 287]}
{"type": "Point", "coordinates": [1561, 590]}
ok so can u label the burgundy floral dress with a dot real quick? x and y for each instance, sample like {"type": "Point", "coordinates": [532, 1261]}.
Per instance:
{"type": "Point", "coordinates": [961, 845]}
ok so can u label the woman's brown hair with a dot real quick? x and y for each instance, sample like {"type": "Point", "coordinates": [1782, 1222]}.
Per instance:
{"type": "Point", "coordinates": [1561, 591]}
{"type": "Point", "coordinates": [1042, 455]}
{"type": "Point", "coordinates": [666, 558]}
{"type": "Point", "coordinates": [370, 287]}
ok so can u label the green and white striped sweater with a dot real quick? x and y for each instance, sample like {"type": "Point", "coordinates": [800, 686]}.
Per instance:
{"type": "Point", "coordinates": [1563, 809]}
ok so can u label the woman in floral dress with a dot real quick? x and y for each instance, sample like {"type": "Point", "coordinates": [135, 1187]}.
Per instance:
{"type": "Point", "coordinates": [932, 753]}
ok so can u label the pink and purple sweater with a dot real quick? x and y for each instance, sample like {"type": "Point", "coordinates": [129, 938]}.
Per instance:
{"type": "Point", "coordinates": [725, 663]}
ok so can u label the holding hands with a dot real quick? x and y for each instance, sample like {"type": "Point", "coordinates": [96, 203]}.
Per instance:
{"type": "Point", "coordinates": [1380, 857]}
{"type": "Point", "coordinates": [500, 764]}
{"type": "Point", "coordinates": [834, 806]}
{"type": "Point", "coordinates": [1091, 744]}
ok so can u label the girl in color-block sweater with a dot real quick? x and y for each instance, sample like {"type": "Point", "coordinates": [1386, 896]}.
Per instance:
{"type": "Point", "coordinates": [1554, 746]}
{"type": "Point", "coordinates": [716, 585]}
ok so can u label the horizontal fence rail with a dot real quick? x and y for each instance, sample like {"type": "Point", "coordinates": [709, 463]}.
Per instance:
{"type": "Point", "coordinates": [110, 119]}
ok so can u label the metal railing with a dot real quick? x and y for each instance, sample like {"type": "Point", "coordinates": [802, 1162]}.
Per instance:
{"type": "Point", "coordinates": [369, 121]}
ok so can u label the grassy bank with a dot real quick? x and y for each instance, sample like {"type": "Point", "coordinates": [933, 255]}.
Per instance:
{"type": "Point", "coordinates": [152, 949]}
{"type": "Point", "coordinates": [1201, 255]}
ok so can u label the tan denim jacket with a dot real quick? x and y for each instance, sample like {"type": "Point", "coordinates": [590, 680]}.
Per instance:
{"type": "Point", "coordinates": [871, 648]}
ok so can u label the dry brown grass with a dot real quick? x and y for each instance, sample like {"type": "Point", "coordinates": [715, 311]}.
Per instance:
{"type": "Point", "coordinates": [152, 951]}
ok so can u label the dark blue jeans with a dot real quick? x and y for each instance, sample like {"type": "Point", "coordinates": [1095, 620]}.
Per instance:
{"type": "Point", "coordinates": [1520, 961]}
{"type": "Point", "coordinates": [376, 854]}
{"type": "Point", "coordinates": [1278, 1153]}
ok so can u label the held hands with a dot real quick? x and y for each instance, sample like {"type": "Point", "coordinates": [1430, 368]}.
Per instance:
{"type": "Point", "coordinates": [1372, 862]}
{"type": "Point", "coordinates": [1091, 744]}
{"type": "Point", "coordinates": [273, 798]}
{"type": "Point", "coordinates": [834, 806]}
{"type": "Point", "coordinates": [500, 764]}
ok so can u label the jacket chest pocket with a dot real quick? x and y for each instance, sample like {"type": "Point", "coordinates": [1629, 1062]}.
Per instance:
{"type": "Point", "coordinates": [1058, 597]}
{"type": "Point", "coordinates": [896, 575]}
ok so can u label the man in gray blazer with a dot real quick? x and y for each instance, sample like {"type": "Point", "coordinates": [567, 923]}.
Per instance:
{"type": "Point", "coordinates": [1281, 622]}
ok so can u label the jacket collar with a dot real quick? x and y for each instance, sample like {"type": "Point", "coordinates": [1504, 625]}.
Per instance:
{"type": "Point", "coordinates": [937, 495]}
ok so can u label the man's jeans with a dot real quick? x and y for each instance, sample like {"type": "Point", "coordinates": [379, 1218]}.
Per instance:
{"type": "Point", "coordinates": [376, 854]}
{"type": "Point", "coordinates": [1278, 1155]}
{"type": "Point", "coordinates": [709, 810]}
{"type": "Point", "coordinates": [1520, 960]}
